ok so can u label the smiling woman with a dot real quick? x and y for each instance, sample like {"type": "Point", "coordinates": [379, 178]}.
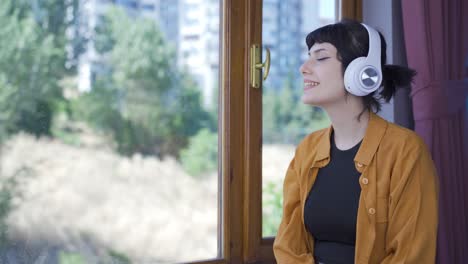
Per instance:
{"type": "Point", "coordinates": [131, 161]}
{"type": "Point", "coordinates": [363, 190]}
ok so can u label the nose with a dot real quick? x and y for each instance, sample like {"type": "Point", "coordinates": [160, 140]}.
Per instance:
{"type": "Point", "coordinates": [303, 69]}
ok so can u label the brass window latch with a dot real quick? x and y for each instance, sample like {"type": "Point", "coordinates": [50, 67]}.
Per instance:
{"type": "Point", "coordinates": [256, 65]}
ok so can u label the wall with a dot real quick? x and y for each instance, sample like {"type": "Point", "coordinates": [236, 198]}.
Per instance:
{"type": "Point", "coordinates": [386, 17]}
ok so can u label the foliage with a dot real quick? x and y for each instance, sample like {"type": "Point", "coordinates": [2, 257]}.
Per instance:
{"type": "Point", "coordinates": [271, 208]}
{"type": "Point", "coordinates": [71, 258]}
{"type": "Point", "coordinates": [201, 155]}
{"type": "Point", "coordinates": [5, 207]}
{"type": "Point", "coordinates": [144, 101]}
{"type": "Point", "coordinates": [119, 258]}
{"type": "Point", "coordinates": [139, 97]}
{"type": "Point", "coordinates": [32, 62]}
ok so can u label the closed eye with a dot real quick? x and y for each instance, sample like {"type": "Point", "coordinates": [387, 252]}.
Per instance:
{"type": "Point", "coordinates": [322, 59]}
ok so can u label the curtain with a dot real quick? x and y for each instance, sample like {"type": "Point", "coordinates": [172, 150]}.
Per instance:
{"type": "Point", "coordinates": [436, 40]}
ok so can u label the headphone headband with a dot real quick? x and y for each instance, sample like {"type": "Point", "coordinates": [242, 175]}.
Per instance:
{"type": "Point", "coordinates": [373, 56]}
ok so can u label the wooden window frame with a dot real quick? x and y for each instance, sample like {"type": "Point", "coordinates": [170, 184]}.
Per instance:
{"type": "Point", "coordinates": [259, 249]}
{"type": "Point", "coordinates": [351, 9]}
{"type": "Point", "coordinates": [240, 186]}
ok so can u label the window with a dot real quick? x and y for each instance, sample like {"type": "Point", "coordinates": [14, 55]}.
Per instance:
{"type": "Point", "coordinates": [285, 122]}
{"type": "Point", "coordinates": [137, 168]}
{"type": "Point", "coordinates": [123, 171]}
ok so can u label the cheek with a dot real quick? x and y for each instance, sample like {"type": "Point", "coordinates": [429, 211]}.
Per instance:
{"type": "Point", "coordinates": [336, 81]}
{"type": "Point", "coordinates": [335, 75]}
{"type": "Point", "coordinates": [330, 90]}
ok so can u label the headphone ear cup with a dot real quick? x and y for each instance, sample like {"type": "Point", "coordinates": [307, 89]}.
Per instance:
{"type": "Point", "coordinates": [351, 76]}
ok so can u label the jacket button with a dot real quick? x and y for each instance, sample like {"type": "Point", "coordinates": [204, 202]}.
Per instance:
{"type": "Point", "coordinates": [359, 165]}
{"type": "Point", "coordinates": [371, 211]}
{"type": "Point", "coordinates": [365, 181]}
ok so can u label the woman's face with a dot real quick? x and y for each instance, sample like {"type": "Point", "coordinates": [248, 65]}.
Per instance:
{"type": "Point", "coordinates": [323, 77]}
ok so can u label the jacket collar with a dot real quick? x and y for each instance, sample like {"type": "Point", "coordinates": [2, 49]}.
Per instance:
{"type": "Point", "coordinates": [375, 130]}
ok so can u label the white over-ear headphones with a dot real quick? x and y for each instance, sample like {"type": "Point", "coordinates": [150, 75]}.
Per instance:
{"type": "Point", "coordinates": [364, 74]}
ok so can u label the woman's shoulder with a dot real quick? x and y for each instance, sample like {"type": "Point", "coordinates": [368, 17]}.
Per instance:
{"type": "Point", "coordinates": [314, 137]}
{"type": "Point", "coordinates": [402, 138]}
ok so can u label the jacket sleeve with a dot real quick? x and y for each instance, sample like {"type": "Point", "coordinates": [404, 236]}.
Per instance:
{"type": "Point", "coordinates": [413, 213]}
{"type": "Point", "coordinates": [290, 244]}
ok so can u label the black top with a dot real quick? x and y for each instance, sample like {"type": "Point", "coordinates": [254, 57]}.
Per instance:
{"type": "Point", "coordinates": [330, 212]}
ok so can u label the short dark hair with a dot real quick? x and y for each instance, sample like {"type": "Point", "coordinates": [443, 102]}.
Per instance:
{"type": "Point", "coordinates": [351, 41]}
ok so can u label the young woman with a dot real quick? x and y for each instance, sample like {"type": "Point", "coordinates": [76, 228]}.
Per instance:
{"type": "Point", "coordinates": [363, 190]}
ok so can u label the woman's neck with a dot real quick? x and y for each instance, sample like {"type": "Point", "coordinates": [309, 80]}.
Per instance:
{"type": "Point", "coordinates": [347, 129]}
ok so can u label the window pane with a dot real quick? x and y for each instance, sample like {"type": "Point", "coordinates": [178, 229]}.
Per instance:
{"type": "Point", "coordinates": [108, 131]}
{"type": "Point", "coordinates": [285, 119]}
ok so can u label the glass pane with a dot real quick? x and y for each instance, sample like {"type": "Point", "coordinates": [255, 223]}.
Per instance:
{"type": "Point", "coordinates": [285, 119]}
{"type": "Point", "coordinates": [108, 128]}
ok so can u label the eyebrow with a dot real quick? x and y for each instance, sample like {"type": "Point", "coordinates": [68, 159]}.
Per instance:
{"type": "Point", "coordinates": [317, 51]}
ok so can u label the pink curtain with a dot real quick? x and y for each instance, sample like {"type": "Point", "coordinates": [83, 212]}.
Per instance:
{"type": "Point", "coordinates": [436, 38]}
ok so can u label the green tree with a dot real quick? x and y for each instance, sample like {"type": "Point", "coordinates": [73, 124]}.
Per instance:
{"type": "Point", "coordinates": [151, 106]}
{"type": "Point", "coordinates": [201, 155]}
{"type": "Point", "coordinates": [32, 63]}
{"type": "Point", "coordinates": [29, 85]}
{"type": "Point", "coordinates": [271, 208]}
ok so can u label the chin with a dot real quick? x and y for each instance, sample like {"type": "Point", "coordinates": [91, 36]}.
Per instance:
{"type": "Point", "coordinates": [309, 100]}
{"type": "Point", "coordinates": [322, 100]}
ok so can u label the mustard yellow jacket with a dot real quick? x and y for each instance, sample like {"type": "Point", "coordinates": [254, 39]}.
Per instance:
{"type": "Point", "coordinates": [397, 214]}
